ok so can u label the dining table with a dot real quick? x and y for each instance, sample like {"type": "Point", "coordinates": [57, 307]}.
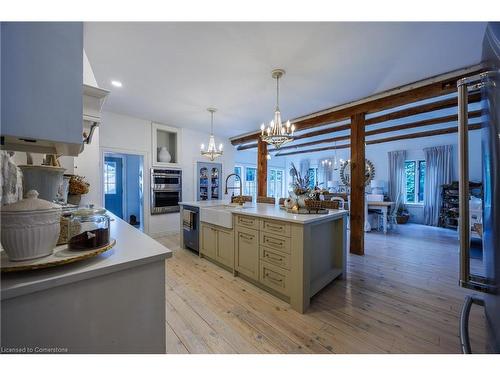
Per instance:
{"type": "Point", "coordinates": [383, 207]}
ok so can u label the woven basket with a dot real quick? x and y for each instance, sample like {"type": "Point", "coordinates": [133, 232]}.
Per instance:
{"type": "Point", "coordinates": [313, 205]}
{"type": "Point", "coordinates": [330, 205]}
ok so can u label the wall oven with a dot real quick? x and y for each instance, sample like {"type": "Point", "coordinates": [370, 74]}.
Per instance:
{"type": "Point", "coordinates": [166, 190]}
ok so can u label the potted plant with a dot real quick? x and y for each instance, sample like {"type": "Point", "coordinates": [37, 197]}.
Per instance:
{"type": "Point", "coordinates": [402, 215]}
{"type": "Point", "coordinates": [77, 187]}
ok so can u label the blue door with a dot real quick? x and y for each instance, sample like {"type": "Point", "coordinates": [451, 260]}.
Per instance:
{"type": "Point", "coordinates": [113, 185]}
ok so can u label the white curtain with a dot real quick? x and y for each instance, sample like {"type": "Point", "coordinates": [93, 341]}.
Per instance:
{"type": "Point", "coordinates": [304, 167]}
{"type": "Point", "coordinates": [438, 171]}
{"type": "Point", "coordinates": [324, 174]}
{"type": "Point", "coordinates": [397, 178]}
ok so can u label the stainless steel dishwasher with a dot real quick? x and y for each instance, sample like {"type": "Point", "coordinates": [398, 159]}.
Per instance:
{"type": "Point", "coordinates": [191, 227]}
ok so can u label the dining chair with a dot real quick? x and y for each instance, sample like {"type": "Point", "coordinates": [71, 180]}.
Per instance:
{"type": "Point", "coordinates": [268, 200]}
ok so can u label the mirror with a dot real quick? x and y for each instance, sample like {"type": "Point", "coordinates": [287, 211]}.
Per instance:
{"type": "Point", "coordinates": [345, 172]}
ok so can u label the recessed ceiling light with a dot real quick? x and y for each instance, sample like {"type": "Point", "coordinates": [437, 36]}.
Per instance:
{"type": "Point", "coordinates": [116, 83]}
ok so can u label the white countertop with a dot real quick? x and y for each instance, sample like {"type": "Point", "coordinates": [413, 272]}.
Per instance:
{"type": "Point", "coordinates": [270, 211]}
{"type": "Point", "coordinates": [133, 248]}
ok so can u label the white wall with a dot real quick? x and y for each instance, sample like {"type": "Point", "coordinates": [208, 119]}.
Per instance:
{"type": "Point", "coordinates": [126, 134]}
{"type": "Point", "coordinates": [377, 153]}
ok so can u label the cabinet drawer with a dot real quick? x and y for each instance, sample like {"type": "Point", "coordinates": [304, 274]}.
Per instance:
{"type": "Point", "coordinates": [275, 257]}
{"type": "Point", "coordinates": [247, 221]}
{"type": "Point", "coordinates": [275, 227]}
{"type": "Point", "coordinates": [275, 242]}
{"type": "Point", "coordinates": [274, 277]}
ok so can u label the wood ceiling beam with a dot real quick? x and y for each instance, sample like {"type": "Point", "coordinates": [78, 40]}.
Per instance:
{"type": "Point", "coordinates": [424, 89]}
{"type": "Point", "coordinates": [416, 124]}
{"type": "Point", "coordinates": [428, 133]}
{"type": "Point", "coordinates": [424, 108]}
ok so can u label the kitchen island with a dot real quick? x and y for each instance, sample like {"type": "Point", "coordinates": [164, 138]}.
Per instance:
{"type": "Point", "coordinates": [112, 303]}
{"type": "Point", "coordinates": [292, 256]}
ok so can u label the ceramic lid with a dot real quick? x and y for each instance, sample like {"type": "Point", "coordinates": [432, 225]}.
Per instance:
{"type": "Point", "coordinates": [30, 203]}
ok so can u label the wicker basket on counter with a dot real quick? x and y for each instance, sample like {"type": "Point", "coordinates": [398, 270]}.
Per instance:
{"type": "Point", "coordinates": [313, 205]}
{"type": "Point", "coordinates": [330, 205]}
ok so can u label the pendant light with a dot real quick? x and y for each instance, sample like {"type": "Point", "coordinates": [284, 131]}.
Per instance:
{"type": "Point", "coordinates": [212, 152]}
{"type": "Point", "coordinates": [276, 133]}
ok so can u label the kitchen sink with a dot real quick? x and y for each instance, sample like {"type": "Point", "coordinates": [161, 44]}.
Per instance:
{"type": "Point", "coordinates": [220, 215]}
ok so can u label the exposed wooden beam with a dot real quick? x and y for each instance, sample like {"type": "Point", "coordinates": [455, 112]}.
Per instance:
{"type": "Point", "coordinates": [410, 93]}
{"type": "Point", "coordinates": [262, 168]}
{"type": "Point", "coordinates": [301, 136]}
{"type": "Point", "coordinates": [424, 108]}
{"type": "Point", "coordinates": [428, 133]}
{"type": "Point", "coordinates": [357, 202]}
{"type": "Point", "coordinates": [416, 124]}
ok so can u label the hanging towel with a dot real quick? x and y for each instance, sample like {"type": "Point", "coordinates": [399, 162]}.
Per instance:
{"type": "Point", "coordinates": [187, 219]}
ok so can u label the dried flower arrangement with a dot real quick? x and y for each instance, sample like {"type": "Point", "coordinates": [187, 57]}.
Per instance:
{"type": "Point", "coordinates": [300, 183]}
{"type": "Point", "coordinates": [78, 185]}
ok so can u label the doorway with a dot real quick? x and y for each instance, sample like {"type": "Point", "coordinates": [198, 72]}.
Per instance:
{"type": "Point", "coordinates": [123, 187]}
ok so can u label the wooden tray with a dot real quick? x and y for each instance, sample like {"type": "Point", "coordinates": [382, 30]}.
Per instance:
{"type": "Point", "coordinates": [305, 211]}
{"type": "Point", "coordinates": [61, 255]}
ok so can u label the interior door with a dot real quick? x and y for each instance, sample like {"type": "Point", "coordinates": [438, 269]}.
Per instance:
{"type": "Point", "coordinates": [113, 185]}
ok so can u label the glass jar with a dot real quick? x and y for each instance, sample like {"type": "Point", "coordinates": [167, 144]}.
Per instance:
{"type": "Point", "coordinates": [88, 229]}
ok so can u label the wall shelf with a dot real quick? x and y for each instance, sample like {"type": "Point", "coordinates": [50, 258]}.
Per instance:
{"type": "Point", "coordinates": [168, 137]}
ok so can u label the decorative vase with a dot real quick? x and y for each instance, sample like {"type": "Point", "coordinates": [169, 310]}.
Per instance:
{"type": "Point", "coordinates": [163, 155]}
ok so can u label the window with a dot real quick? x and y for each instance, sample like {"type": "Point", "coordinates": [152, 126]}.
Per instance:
{"type": "Point", "coordinates": [313, 177]}
{"type": "Point", "coordinates": [110, 177]}
{"type": "Point", "coordinates": [250, 186]}
{"type": "Point", "coordinates": [275, 183]}
{"type": "Point", "coordinates": [415, 180]}
{"type": "Point", "coordinates": [238, 170]}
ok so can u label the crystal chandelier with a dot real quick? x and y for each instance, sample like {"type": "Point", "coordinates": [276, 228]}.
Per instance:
{"type": "Point", "coordinates": [276, 133]}
{"type": "Point", "coordinates": [335, 163]}
{"type": "Point", "coordinates": [212, 152]}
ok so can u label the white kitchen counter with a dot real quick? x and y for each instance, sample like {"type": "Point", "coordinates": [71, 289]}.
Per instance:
{"type": "Point", "coordinates": [112, 303]}
{"type": "Point", "coordinates": [133, 248]}
{"type": "Point", "coordinates": [269, 211]}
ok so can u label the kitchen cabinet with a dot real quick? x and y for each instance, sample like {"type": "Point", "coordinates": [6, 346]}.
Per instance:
{"type": "Point", "coordinates": [225, 247]}
{"type": "Point", "coordinates": [166, 141]}
{"type": "Point", "coordinates": [209, 181]}
{"type": "Point", "coordinates": [41, 85]}
{"type": "Point", "coordinates": [208, 240]}
{"type": "Point", "coordinates": [218, 244]}
{"type": "Point", "coordinates": [246, 255]}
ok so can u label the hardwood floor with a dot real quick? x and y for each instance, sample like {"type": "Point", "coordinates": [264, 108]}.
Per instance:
{"type": "Point", "coordinates": [401, 297]}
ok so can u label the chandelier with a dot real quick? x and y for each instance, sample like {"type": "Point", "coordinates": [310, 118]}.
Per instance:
{"type": "Point", "coordinates": [212, 152]}
{"type": "Point", "coordinates": [335, 164]}
{"type": "Point", "coordinates": [276, 133]}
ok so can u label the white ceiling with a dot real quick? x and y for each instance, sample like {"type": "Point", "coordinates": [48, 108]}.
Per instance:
{"type": "Point", "coordinates": [171, 72]}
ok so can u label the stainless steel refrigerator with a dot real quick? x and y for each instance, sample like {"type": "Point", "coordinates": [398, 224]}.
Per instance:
{"type": "Point", "coordinates": [484, 280]}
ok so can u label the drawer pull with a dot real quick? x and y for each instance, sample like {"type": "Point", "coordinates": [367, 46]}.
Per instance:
{"type": "Point", "coordinates": [246, 237]}
{"type": "Point", "coordinates": [275, 243]}
{"type": "Point", "coordinates": [272, 278]}
{"type": "Point", "coordinates": [275, 227]}
{"type": "Point", "coordinates": [247, 222]}
{"type": "Point", "coordinates": [279, 259]}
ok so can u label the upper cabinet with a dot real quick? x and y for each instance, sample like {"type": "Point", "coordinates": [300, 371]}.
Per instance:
{"type": "Point", "coordinates": [41, 86]}
{"type": "Point", "coordinates": [166, 141]}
